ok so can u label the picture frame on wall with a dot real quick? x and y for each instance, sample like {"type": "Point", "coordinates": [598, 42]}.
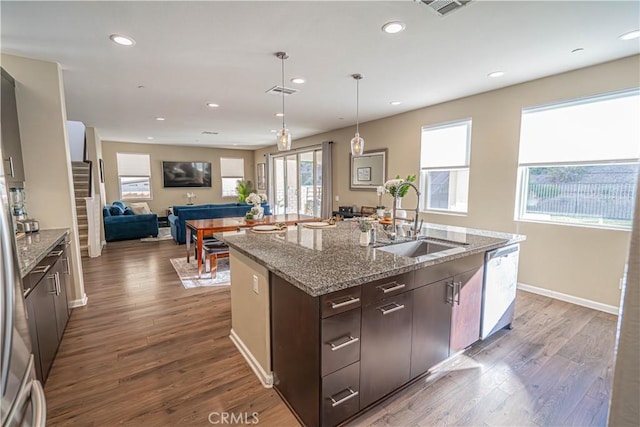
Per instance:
{"type": "Point", "coordinates": [364, 174]}
{"type": "Point", "coordinates": [261, 179]}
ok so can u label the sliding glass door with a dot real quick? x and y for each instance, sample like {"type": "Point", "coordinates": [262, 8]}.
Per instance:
{"type": "Point", "coordinates": [297, 182]}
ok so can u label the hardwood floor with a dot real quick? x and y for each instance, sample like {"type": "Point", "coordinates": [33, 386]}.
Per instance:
{"type": "Point", "coordinates": [146, 351]}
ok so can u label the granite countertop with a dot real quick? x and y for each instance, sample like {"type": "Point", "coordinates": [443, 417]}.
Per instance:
{"type": "Point", "coordinates": [33, 247]}
{"type": "Point", "coordinates": [320, 261]}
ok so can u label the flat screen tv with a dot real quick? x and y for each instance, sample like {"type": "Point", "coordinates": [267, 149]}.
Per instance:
{"type": "Point", "coordinates": [186, 174]}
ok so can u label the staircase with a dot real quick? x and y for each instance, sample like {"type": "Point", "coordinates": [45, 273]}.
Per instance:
{"type": "Point", "coordinates": [81, 182]}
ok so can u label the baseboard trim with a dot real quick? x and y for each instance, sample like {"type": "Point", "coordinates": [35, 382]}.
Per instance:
{"type": "Point", "coordinates": [265, 378]}
{"type": "Point", "coordinates": [79, 302]}
{"type": "Point", "coordinates": [611, 309]}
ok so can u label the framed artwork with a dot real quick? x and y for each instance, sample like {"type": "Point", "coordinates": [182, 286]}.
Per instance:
{"type": "Point", "coordinates": [261, 179]}
{"type": "Point", "coordinates": [364, 174]}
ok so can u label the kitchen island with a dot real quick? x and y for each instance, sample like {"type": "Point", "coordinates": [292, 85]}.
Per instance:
{"type": "Point", "coordinates": [336, 327]}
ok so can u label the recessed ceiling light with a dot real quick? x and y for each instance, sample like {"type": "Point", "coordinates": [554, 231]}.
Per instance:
{"type": "Point", "coordinates": [496, 74]}
{"type": "Point", "coordinates": [578, 50]}
{"type": "Point", "coordinates": [393, 27]}
{"type": "Point", "coordinates": [279, 114]}
{"type": "Point", "coordinates": [395, 103]}
{"type": "Point", "coordinates": [122, 40]}
{"type": "Point", "coordinates": [212, 105]}
{"type": "Point", "coordinates": [630, 35]}
{"type": "Point", "coordinates": [160, 119]}
{"type": "Point", "coordinates": [298, 80]}
{"type": "Point", "coordinates": [273, 130]}
{"type": "Point", "coordinates": [149, 137]}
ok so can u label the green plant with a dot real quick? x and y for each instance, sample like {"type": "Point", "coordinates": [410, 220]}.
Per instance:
{"type": "Point", "coordinates": [364, 225]}
{"type": "Point", "coordinates": [244, 189]}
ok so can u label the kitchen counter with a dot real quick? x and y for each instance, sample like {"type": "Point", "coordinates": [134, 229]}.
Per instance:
{"type": "Point", "coordinates": [320, 261]}
{"type": "Point", "coordinates": [33, 247]}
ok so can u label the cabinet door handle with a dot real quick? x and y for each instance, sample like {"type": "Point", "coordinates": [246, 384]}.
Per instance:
{"type": "Point", "coordinates": [58, 290]}
{"type": "Point", "coordinates": [451, 286]}
{"type": "Point", "coordinates": [11, 169]}
{"type": "Point", "coordinates": [457, 288]}
{"type": "Point", "coordinates": [26, 291]}
{"type": "Point", "coordinates": [393, 286]}
{"type": "Point", "coordinates": [395, 307]}
{"type": "Point", "coordinates": [351, 340]}
{"type": "Point", "coordinates": [55, 284]}
{"type": "Point", "coordinates": [66, 262]}
{"type": "Point", "coordinates": [349, 301]}
{"type": "Point", "coordinates": [351, 395]}
{"type": "Point", "coordinates": [41, 269]}
{"type": "Point", "coordinates": [56, 253]}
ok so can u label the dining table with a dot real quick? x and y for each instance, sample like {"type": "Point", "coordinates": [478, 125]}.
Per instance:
{"type": "Point", "coordinates": [205, 227]}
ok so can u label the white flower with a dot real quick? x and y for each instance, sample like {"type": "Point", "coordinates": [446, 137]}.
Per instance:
{"type": "Point", "coordinates": [256, 199]}
{"type": "Point", "coordinates": [381, 191]}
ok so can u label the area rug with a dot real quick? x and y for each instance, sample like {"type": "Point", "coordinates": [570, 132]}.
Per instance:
{"type": "Point", "coordinates": [164, 233]}
{"type": "Point", "coordinates": [188, 273]}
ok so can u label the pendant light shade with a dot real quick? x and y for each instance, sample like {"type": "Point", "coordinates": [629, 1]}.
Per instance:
{"type": "Point", "coordinates": [283, 138]}
{"type": "Point", "coordinates": [357, 143]}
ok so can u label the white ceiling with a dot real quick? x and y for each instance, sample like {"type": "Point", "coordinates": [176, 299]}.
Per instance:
{"type": "Point", "coordinates": [190, 53]}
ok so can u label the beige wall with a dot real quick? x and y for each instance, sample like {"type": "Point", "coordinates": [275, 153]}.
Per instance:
{"type": "Point", "coordinates": [578, 261]}
{"type": "Point", "coordinates": [94, 151]}
{"type": "Point", "coordinates": [250, 311]}
{"type": "Point", "coordinates": [45, 149]}
{"type": "Point", "coordinates": [163, 198]}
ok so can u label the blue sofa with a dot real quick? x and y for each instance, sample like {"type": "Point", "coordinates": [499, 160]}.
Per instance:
{"type": "Point", "coordinates": [223, 210]}
{"type": "Point", "coordinates": [120, 223]}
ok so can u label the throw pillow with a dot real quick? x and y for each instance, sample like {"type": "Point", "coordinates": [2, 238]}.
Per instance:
{"type": "Point", "coordinates": [140, 208]}
{"type": "Point", "coordinates": [115, 210]}
{"type": "Point", "coordinates": [128, 211]}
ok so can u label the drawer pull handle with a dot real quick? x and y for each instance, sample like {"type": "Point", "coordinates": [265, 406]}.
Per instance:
{"type": "Point", "coordinates": [350, 301]}
{"type": "Point", "coordinates": [395, 287]}
{"type": "Point", "coordinates": [351, 395]}
{"type": "Point", "coordinates": [395, 307]}
{"type": "Point", "coordinates": [26, 292]}
{"type": "Point", "coordinates": [351, 340]}
{"type": "Point", "coordinates": [56, 253]}
{"type": "Point", "coordinates": [41, 269]}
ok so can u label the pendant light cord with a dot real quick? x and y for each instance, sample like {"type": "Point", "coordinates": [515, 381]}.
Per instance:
{"type": "Point", "coordinates": [357, 106]}
{"type": "Point", "coordinates": [283, 58]}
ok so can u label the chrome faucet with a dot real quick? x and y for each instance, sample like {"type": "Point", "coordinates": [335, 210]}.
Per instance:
{"type": "Point", "coordinates": [415, 220]}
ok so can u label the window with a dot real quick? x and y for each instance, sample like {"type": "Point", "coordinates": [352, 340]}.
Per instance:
{"type": "Point", "coordinates": [297, 182]}
{"type": "Point", "coordinates": [134, 176]}
{"type": "Point", "coordinates": [232, 171]}
{"type": "Point", "coordinates": [578, 161]}
{"type": "Point", "coordinates": [444, 164]}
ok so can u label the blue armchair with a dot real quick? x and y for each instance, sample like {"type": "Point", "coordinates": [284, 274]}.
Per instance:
{"type": "Point", "coordinates": [120, 223]}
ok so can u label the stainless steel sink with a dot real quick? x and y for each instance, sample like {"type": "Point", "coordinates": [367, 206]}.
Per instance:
{"type": "Point", "coordinates": [418, 248]}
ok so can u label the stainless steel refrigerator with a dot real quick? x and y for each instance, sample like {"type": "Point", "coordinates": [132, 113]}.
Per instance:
{"type": "Point", "coordinates": [23, 402]}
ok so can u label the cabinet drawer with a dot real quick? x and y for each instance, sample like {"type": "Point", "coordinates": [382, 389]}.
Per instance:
{"type": "Point", "coordinates": [340, 301]}
{"type": "Point", "coordinates": [385, 288]}
{"type": "Point", "coordinates": [340, 395]}
{"type": "Point", "coordinates": [340, 341]}
{"type": "Point", "coordinates": [437, 272]}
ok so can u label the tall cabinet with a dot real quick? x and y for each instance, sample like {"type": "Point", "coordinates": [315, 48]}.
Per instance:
{"type": "Point", "coordinates": [11, 148]}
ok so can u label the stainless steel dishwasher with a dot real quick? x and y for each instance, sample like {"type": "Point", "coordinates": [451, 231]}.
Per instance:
{"type": "Point", "coordinates": [499, 292]}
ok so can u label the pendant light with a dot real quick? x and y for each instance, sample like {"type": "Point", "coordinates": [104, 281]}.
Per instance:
{"type": "Point", "coordinates": [283, 137]}
{"type": "Point", "coordinates": [357, 143]}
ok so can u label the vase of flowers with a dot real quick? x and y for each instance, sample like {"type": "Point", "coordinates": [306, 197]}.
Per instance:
{"type": "Point", "coordinates": [256, 200]}
{"type": "Point", "coordinates": [394, 187]}
{"type": "Point", "coordinates": [365, 231]}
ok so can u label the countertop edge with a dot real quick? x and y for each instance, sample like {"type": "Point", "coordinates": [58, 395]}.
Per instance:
{"type": "Point", "coordinates": [30, 254]}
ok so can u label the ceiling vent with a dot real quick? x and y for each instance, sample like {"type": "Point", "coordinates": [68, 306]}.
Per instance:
{"type": "Point", "coordinates": [208, 132]}
{"type": "Point", "coordinates": [279, 90]}
{"type": "Point", "coordinates": [444, 7]}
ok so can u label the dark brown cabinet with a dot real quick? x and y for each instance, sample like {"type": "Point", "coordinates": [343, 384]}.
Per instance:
{"type": "Point", "coordinates": [466, 309]}
{"type": "Point", "coordinates": [386, 347]}
{"type": "Point", "coordinates": [431, 326]}
{"type": "Point", "coordinates": [11, 146]}
{"type": "Point", "coordinates": [47, 307]}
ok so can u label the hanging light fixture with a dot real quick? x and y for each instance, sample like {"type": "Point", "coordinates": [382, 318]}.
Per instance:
{"type": "Point", "coordinates": [283, 137]}
{"type": "Point", "coordinates": [357, 143]}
